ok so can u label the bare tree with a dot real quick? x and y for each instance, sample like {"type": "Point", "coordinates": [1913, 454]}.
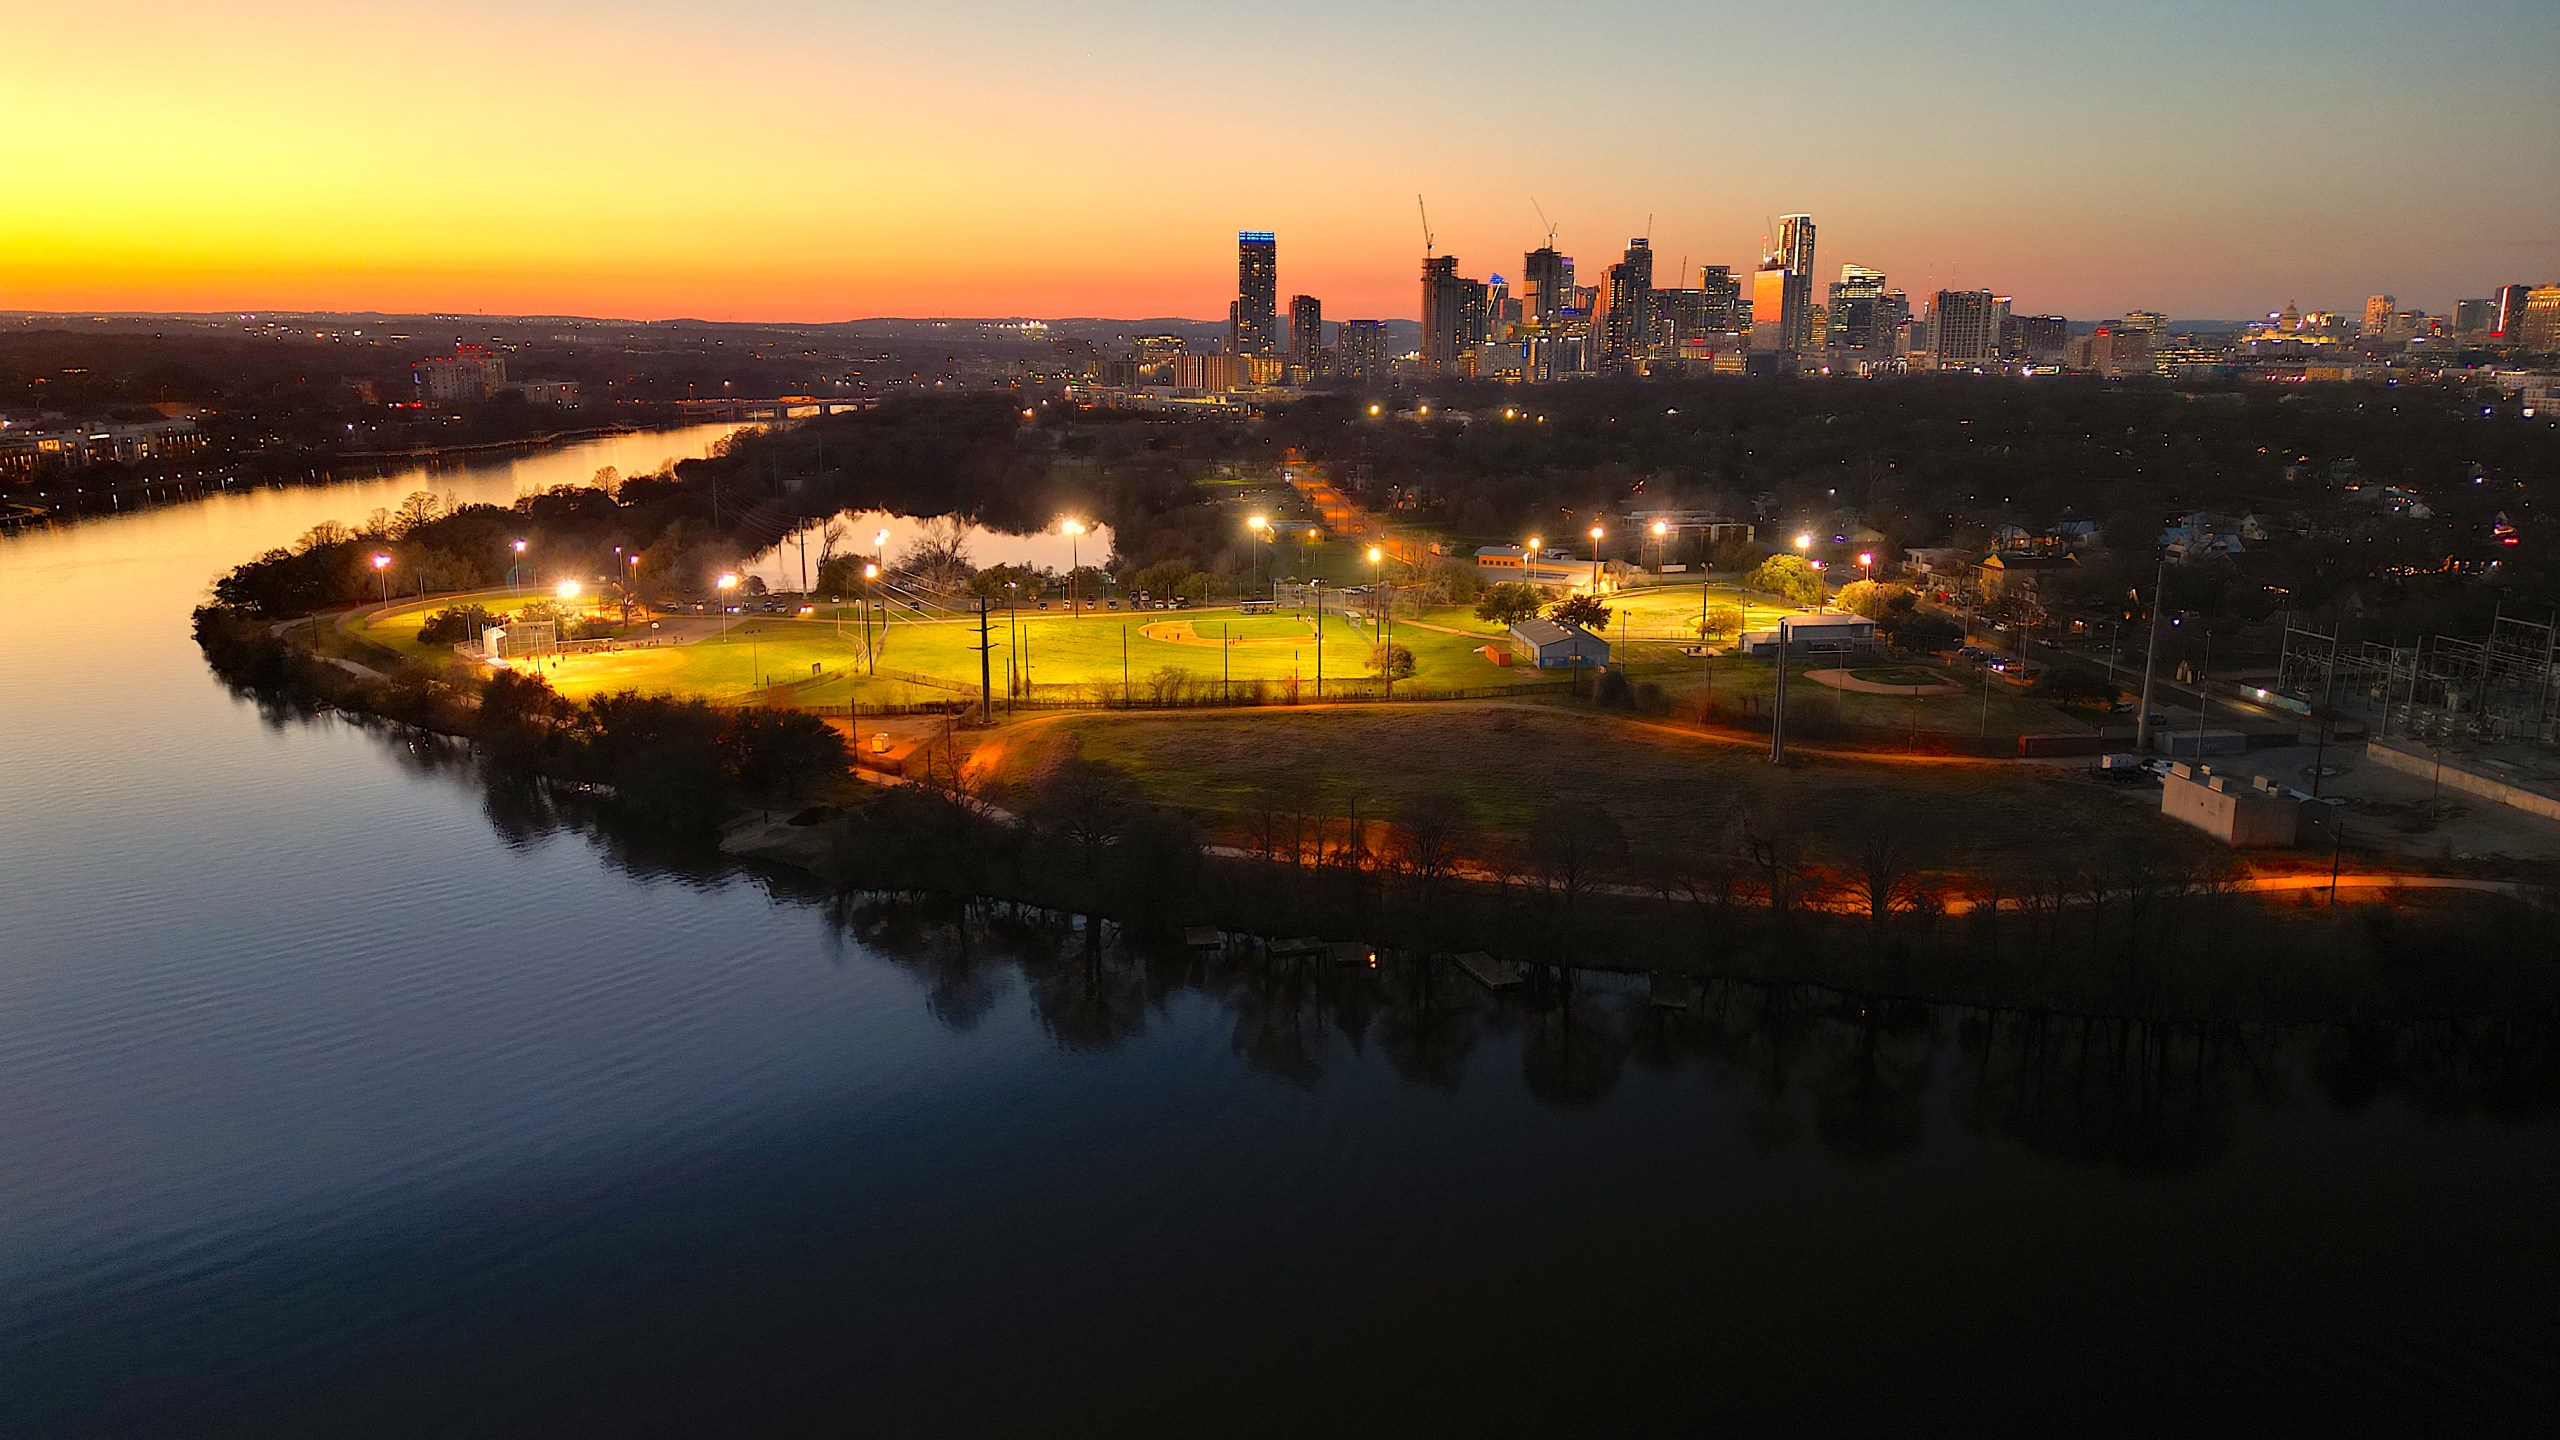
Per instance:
{"type": "Point", "coordinates": [938, 557]}
{"type": "Point", "coordinates": [1086, 803]}
{"type": "Point", "coordinates": [1431, 835]}
{"type": "Point", "coordinates": [1777, 852]}
{"type": "Point", "coordinates": [1573, 847]}
{"type": "Point", "coordinates": [1885, 871]}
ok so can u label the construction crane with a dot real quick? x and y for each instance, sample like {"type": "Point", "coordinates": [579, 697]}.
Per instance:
{"type": "Point", "coordinates": [1428, 249]}
{"type": "Point", "coordinates": [1543, 220]}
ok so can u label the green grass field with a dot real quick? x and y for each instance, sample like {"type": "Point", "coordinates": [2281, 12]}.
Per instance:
{"type": "Point", "coordinates": [1074, 656]}
{"type": "Point", "coordinates": [814, 661]}
{"type": "Point", "coordinates": [1508, 762]}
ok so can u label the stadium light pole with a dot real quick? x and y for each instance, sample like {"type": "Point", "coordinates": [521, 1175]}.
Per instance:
{"type": "Point", "coordinates": [1260, 525]}
{"type": "Point", "coordinates": [870, 656]}
{"type": "Point", "coordinates": [382, 572]}
{"type": "Point", "coordinates": [1378, 593]}
{"type": "Point", "coordinates": [726, 583]}
{"type": "Point", "coordinates": [515, 572]}
{"type": "Point", "coordinates": [1596, 533]}
{"type": "Point", "coordinates": [1075, 559]}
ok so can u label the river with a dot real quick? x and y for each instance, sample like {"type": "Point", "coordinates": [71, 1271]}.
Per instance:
{"type": "Point", "coordinates": [339, 1096]}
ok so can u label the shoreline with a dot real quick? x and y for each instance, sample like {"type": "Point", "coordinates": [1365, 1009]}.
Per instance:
{"type": "Point", "coordinates": [146, 494]}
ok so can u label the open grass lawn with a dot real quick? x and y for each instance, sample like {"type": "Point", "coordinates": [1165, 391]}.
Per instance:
{"type": "Point", "coordinates": [1511, 761]}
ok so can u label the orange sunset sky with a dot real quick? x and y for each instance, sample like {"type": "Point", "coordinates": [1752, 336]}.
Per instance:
{"type": "Point", "coordinates": [794, 160]}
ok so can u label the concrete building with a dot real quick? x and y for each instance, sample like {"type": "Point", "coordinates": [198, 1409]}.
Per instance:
{"type": "Point", "coordinates": [559, 394]}
{"type": "Point", "coordinates": [1816, 632]}
{"type": "Point", "coordinates": [471, 372]}
{"type": "Point", "coordinates": [1549, 565]}
{"type": "Point", "coordinates": [26, 450]}
{"type": "Point", "coordinates": [2241, 814]}
{"type": "Point", "coordinates": [1306, 336]}
{"type": "Point", "coordinates": [1360, 350]}
{"type": "Point", "coordinates": [1550, 646]}
{"type": "Point", "coordinates": [2538, 328]}
{"type": "Point", "coordinates": [1964, 326]}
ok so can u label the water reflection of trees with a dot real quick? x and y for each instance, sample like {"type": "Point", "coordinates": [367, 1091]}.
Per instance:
{"type": "Point", "coordinates": [1862, 1078]}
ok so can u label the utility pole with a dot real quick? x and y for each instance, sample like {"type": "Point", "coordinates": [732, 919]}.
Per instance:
{"type": "Point", "coordinates": [1778, 709]}
{"type": "Point", "coordinates": [986, 669]}
{"type": "Point", "coordinates": [2150, 661]}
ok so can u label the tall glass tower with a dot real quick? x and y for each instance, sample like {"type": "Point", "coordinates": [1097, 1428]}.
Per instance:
{"type": "Point", "coordinates": [1255, 328]}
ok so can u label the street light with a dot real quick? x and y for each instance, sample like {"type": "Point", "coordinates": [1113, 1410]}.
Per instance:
{"type": "Point", "coordinates": [382, 570]}
{"type": "Point", "coordinates": [1660, 529]}
{"type": "Point", "coordinates": [1867, 563]}
{"type": "Point", "coordinates": [1804, 542]}
{"type": "Point", "coordinates": [726, 583]}
{"type": "Point", "coordinates": [568, 589]}
{"type": "Point", "coordinates": [515, 572]}
{"type": "Point", "coordinates": [1260, 525]}
{"type": "Point", "coordinates": [1595, 559]}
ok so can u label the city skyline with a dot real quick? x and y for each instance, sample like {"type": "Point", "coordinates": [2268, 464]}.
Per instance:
{"type": "Point", "coordinates": [791, 163]}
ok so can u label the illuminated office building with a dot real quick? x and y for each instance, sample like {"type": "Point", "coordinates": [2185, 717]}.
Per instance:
{"type": "Point", "coordinates": [1254, 321]}
{"type": "Point", "coordinates": [1306, 336]}
{"type": "Point", "coordinates": [1360, 350]}
{"type": "Point", "coordinates": [1964, 327]}
{"type": "Point", "coordinates": [1626, 317]}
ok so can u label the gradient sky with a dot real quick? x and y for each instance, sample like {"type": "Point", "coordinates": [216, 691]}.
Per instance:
{"type": "Point", "coordinates": [827, 159]}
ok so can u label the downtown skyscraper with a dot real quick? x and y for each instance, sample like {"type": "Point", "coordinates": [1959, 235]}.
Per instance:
{"type": "Point", "coordinates": [1626, 319]}
{"type": "Point", "coordinates": [1253, 322]}
{"type": "Point", "coordinates": [1782, 291]}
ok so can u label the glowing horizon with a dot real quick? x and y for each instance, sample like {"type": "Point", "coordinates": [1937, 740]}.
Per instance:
{"type": "Point", "coordinates": [796, 161]}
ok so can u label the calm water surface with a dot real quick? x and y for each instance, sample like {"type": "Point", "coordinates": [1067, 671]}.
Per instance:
{"type": "Point", "coordinates": [338, 1096]}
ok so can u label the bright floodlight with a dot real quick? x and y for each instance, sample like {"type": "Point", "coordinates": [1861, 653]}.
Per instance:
{"type": "Point", "coordinates": [1376, 554]}
{"type": "Point", "coordinates": [1533, 544]}
{"type": "Point", "coordinates": [1373, 409]}
{"type": "Point", "coordinates": [870, 572]}
{"type": "Point", "coordinates": [1866, 558]}
{"type": "Point", "coordinates": [728, 582]}
{"type": "Point", "coordinates": [1072, 527]}
{"type": "Point", "coordinates": [1595, 532]}
{"type": "Point", "coordinates": [381, 562]}
{"type": "Point", "coordinates": [635, 559]}
{"type": "Point", "coordinates": [1257, 524]}
{"type": "Point", "coordinates": [1661, 528]}
{"type": "Point", "coordinates": [1311, 534]}
{"type": "Point", "coordinates": [1804, 542]}
{"type": "Point", "coordinates": [519, 547]}
{"type": "Point", "coordinates": [568, 589]}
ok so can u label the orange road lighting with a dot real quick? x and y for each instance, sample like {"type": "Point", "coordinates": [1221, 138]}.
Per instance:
{"type": "Point", "coordinates": [381, 562]}
{"type": "Point", "coordinates": [568, 589]}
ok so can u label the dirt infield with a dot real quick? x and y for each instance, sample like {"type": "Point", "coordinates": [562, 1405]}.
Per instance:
{"type": "Point", "coordinates": [1183, 632]}
{"type": "Point", "coordinates": [1843, 680]}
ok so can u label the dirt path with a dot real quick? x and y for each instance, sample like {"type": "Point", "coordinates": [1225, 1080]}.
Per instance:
{"type": "Point", "coordinates": [1843, 680]}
